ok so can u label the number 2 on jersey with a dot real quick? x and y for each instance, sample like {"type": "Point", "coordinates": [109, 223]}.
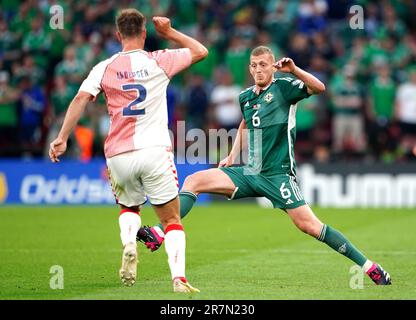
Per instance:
{"type": "Point", "coordinates": [128, 111]}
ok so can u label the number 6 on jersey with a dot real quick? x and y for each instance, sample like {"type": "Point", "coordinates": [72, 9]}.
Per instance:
{"type": "Point", "coordinates": [255, 119]}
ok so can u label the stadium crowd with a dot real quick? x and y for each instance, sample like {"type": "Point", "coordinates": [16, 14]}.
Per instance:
{"type": "Point", "coordinates": [367, 113]}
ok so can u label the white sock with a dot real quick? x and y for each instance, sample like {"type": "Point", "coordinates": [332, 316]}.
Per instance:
{"type": "Point", "coordinates": [130, 223]}
{"type": "Point", "coordinates": [159, 231]}
{"type": "Point", "coordinates": [175, 248]}
{"type": "Point", "coordinates": [367, 265]}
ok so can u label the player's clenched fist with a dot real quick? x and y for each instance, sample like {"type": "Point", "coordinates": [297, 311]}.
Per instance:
{"type": "Point", "coordinates": [285, 65]}
{"type": "Point", "coordinates": [56, 149]}
{"type": "Point", "coordinates": [162, 25]}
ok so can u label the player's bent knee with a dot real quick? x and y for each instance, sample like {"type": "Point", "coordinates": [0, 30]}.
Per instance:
{"type": "Point", "coordinates": [308, 227]}
{"type": "Point", "coordinates": [192, 183]}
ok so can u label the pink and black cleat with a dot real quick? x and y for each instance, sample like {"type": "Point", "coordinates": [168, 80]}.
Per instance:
{"type": "Point", "coordinates": [150, 237]}
{"type": "Point", "coordinates": [378, 275]}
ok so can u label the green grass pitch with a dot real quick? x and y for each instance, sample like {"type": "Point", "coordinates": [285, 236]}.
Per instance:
{"type": "Point", "coordinates": [234, 251]}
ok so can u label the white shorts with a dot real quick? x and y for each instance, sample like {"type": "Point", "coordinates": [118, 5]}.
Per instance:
{"type": "Point", "coordinates": [148, 172]}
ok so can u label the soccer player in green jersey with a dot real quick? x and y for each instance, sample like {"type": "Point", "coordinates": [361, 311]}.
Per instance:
{"type": "Point", "coordinates": [269, 111]}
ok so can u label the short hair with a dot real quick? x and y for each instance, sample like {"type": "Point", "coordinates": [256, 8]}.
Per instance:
{"type": "Point", "coordinates": [130, 23]}
{"type": "Point", "coordinates": [258, 51]}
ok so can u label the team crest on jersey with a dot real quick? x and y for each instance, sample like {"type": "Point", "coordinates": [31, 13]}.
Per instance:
{"type": "Point", "coordinates": [268, 97]}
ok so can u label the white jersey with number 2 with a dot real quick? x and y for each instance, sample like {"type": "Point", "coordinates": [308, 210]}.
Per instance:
{"type": "Point", "coordinates": [134, 84]}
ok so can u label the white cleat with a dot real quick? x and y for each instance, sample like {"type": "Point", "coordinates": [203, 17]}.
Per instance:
{"type": "Point", "coordinates": [182, 285]}
{"type": "Point", "coordinates": [129, 265]}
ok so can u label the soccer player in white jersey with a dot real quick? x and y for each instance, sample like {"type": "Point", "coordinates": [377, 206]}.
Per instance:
{"type": "Point", "coordinates": [138, 147]}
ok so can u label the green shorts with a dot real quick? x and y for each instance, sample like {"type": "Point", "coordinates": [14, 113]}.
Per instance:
{"type": "Point", "coordinates": [281, 189]}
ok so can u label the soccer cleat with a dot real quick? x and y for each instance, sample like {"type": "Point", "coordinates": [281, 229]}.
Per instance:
{"type": "Point", "coordinates": [129, 265]}
{"type": "Point", "coordinates": [150, 237]}
{"type": "Point", "coordinates": [378, 275]}
{"type": "Point", "coordinates": [180, 284]}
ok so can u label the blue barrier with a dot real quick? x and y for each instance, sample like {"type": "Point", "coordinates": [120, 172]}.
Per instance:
{"type": "Point", "coordinates": [67, 182]}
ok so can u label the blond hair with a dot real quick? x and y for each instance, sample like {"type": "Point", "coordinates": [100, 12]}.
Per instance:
{"type": "Point", "coordinates": [258, 51]}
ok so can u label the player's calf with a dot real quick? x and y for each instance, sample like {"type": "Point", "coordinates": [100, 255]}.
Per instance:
{"type": "Point", "coordinates": [129, 222]}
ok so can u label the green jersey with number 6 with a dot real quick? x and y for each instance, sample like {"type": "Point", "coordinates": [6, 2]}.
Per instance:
{"type": "Point", "coordinates": [270, 117]}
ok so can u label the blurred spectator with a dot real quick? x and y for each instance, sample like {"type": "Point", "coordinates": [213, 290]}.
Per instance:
{"type": "Point", "coordinates": [264, 39]}
{"type": "Point", "coordinates": [32, 104]}
{"type": "Point", "coordinates": [95, 52]}
{"type": "Point", "coordinates": [184, 14]}
{"type": "Point", "coordinates": [391, 26]}
{"type": "Point", "coordinates": [8, 111]}
{"type": "Point", "coordinates": [28, 68]}
{"type": "Point", "coordinates": [299, 50]}
{"type": "Point", "coordinates": [312, 16]}
{"type": "Point", "coordinates": [244, 25]}
{"type": "Point", "coordinates": [280, 15]}
{"type": "Point", "coordinates": [111, 44]}
{"type": "Point", "coordinates": [72, 69]}
{"type": "Point", "coordinates": [20, 24]}
{"type": "Point", "coordinates": [82, 48]}
{"type": "Point", "coordinates": [319, 68]}
{"type": "Point", "coordinates": [237, 59]}
{"type": "Point", "coordinates": [322, 46]}
{"type": "Point", "coordinates": [338, 9]}
{"type": "Point", "coordinates": [406, 111]}
{"type": "Point", "coordinates": [84, 136]}
{"type": "Point", "coordinates": [224, 99]}
{"type": "Point", "coordinates": [62, 96]}
{"type": "Point", "coordinates": [306, 120]}
{"type": "Point", "coordinates": [197, 102]}
{"type": "Point", "coordinates": [381, 109]}
{"type": "Point", "coordinates": [60, 99]}
{"type": "Point", "coordinates": [9, 46]}
{"type": "Point", "coordinates": [348, 122]}
{"type": "Point", "coordinates": [206, 67]}
{"type": "Point", "coordinates": [37, 42]}
{"type": "Point", "coordinates": [372, 20]}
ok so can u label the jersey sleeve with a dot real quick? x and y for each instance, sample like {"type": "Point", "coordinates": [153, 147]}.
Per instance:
{"type": "Point", "coordinates": [243, 98]}
{"type": "Point", "coordinates": [293, 89]}
{"type": "Point", "coordinates": [92, 84]}
{"type": "Point", "coordinates": [241, 102]}
{"type": "Point", "coordinates": [172, 61]}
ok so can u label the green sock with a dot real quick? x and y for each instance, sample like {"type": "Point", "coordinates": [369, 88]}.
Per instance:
{"type": "Point", "coordinates": [187, 200]}
{"type": "Point", "coordinates": [337, 241]}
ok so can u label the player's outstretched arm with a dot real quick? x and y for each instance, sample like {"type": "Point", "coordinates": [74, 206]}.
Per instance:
{"type": "Point", "coordinates": [239, 144]}
{"type": "Point", "coordinates": [75, 110]}
{"type": "Point", "coordinates": [164, 28]}
{"type": "Point", "coordinates": [314, 85]}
